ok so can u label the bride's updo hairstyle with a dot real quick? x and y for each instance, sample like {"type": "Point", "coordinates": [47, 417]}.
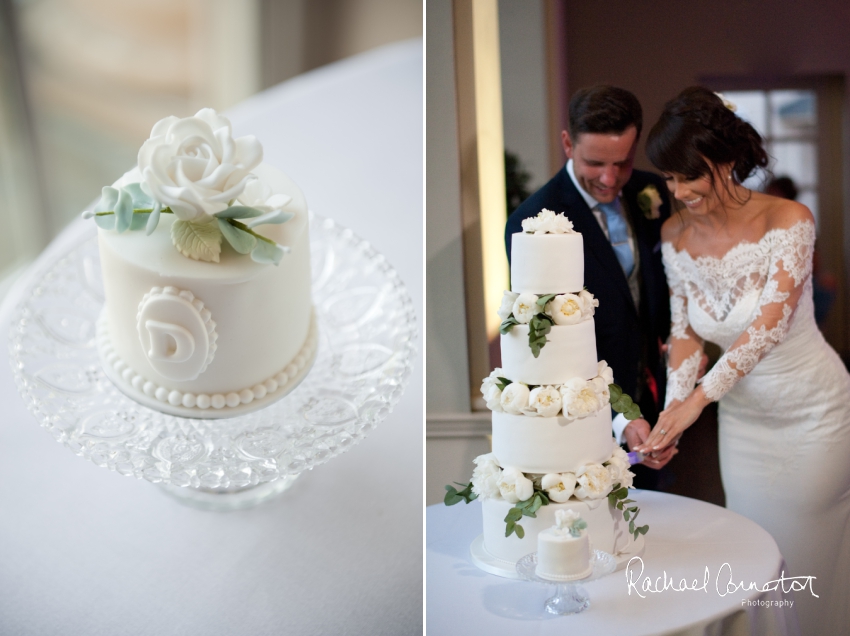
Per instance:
{"type": "Point", "coordinates": [697, 126]}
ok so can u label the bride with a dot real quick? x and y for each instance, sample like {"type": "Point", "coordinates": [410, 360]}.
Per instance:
{"type": "Point", "coordinates": [739, 267]}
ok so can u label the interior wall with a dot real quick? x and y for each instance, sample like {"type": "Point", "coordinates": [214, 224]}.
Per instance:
{"type": "Point", "coordinates": [656, 49]}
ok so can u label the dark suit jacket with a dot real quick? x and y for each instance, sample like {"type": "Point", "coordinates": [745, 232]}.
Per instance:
{"type": "Point", "coordinates": [625, 338]}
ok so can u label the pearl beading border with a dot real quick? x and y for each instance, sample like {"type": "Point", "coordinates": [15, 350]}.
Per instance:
{"type": "Point", "coordinates": [204, 401]}
{"type": "Point", "coordinates": [197, 303]}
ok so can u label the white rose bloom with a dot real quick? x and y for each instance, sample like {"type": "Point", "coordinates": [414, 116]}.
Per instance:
{"type": "Point", "coordinates": [605, 372]}
{"type": "Point", "coordinates": [514, 486]}
{"type": "Point", "coordinates": [541, 224]}
{"type": "Point", "coordinates": [545, 400]}
{"type": "Point", "coordinates": [589, 303]}
{"type": "Point", "coordinates": [600, 387]}
{"type": "Point", "coordinates": [559, 486]}
{"type": "Point", "coordinates": [579, 398]}
{"type": "Point", "coordinates": [564, 519]}
{"type": "Point", "coordinates": [594, 482]}
{"type": "Point", "coordinates": [195, 166]}
{"type": "Point", "coordinates": [508, 300]}
{"type": "Point", "coordinates": [525, 308]}
{"type": "Point", "coordinates": [485, 477]}
{"type": "Point", "coordinates": [515, 398]}
{"type": "Point", "coordinates": [258, 195]}
{"type": "Point", "coordinates": [565, 309]}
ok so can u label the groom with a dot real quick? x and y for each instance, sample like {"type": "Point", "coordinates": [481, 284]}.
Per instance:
{"type": "Point", "coordinates": [619, 212]}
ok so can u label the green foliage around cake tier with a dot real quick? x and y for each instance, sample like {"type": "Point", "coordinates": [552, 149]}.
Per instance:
{"type": "Point", "coordinates": [622, 403]}
{"type": "Point", "coordinates": [527, 508]}
{"type": "Point", "coordinates": [454, 496]}
{"type": "Point", "coordinates": [618, 497]}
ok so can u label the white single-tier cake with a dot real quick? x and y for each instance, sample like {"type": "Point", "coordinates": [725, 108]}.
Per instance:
{"type": "Point", "coordinates": [563, 554]}
{"type": "Point", "coordinates": [209, 339]}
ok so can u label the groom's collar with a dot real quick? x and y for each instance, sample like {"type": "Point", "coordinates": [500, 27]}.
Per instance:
{"type": "Point", "coordinates": [591, 202]}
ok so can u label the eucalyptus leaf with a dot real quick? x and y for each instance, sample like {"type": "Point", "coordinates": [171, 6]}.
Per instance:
{"type": "Point", "coordinates": [509, 528]}
{"type": "Point", "coordinates": [239, 240]}
{"type": "Point", "coordinates": [275, 217]}
{"type": "Point", "coordinates": [141, 199]}
{"type": "Point", "coordinates": [123, 211]}
{"type": "Point", "coordinates": [139, 221]}
{"type": "Point", "coordinates": [502, 383]}
{"type": "Point", "coordinates": [238, 212]}
{"type": "Point", "coordinates": [615, 392]}
{"type": "Point", "coordinates": [544, 300]}
{"type": "Point", "coordinates": [514, 514]}
{"type": "Point", "coordinates": [520, 532]}
{"type": "Point", "coordinates": [508, 324]}
{"type": "Point", "coordinates": [626, 515]}
{"type": "Point", "coordinates": [108, 198]}
{"type": "Point", "coordinates": [153, 219]}
{"type": "Point", "coordinates": [268, 253]}
{"type": "Point", "coordinates": [107, 222]}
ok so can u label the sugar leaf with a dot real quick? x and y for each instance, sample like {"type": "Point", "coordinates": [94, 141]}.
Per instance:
{"type": "Point", "coordinates": [200, 240]}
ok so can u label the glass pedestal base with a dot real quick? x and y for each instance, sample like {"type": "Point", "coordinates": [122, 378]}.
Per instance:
{"type": "Point", "coordinates": [222, 500]}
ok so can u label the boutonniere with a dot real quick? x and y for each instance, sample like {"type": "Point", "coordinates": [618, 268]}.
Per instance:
{"type": "Point", "coordinates": [649, 202]}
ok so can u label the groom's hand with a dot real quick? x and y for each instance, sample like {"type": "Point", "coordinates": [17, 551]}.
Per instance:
{"type": "Point", "coordinates": [636, 433]}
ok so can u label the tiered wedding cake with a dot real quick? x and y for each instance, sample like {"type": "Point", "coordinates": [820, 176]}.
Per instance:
{"type": "Point", "coordinates": [553, 448]}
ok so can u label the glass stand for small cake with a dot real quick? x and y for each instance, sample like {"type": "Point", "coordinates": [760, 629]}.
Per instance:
{"type": "Point", "coordinates": [569, 597]}
{"type": "Point", "coordinates": [367, 330]}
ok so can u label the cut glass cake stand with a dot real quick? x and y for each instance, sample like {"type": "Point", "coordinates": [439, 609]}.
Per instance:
{"type": "Point", "coordinates": [367, 330]}
{"type": "Point", "coordinates": [569, 597]}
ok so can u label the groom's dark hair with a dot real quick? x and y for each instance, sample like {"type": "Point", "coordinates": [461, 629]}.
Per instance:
{"type": "Point", "coordinates": [604, 109]}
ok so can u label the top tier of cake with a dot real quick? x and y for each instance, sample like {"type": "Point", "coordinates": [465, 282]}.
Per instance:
{"type": "Point", "coordinates": [547, 263]}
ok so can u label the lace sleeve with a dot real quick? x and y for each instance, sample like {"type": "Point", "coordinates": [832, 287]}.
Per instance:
{"type": "Point", "coordinates": [790, 268]}
{"type": "Point", "coordinates": [685, 347]}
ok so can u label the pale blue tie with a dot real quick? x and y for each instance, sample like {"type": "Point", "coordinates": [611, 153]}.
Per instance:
{"type": "Point", "coordinates": [618, 234]}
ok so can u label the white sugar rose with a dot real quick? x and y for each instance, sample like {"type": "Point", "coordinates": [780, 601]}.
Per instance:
{"type": "Point", "coordinates": [514, 486]}
{"type": "Point", "coordinates": [258, 195]}
{"type": "Point", "coordinates": [593, 482]}
{"type": "Point", "coordinates": [508, 300]}
{"type": "Point", "coordinates": [525, 308]}
{"type": "Point", "coordinates": [579, 398]}
{"type": "Point", "coordinates": [565, 309]}
{"type": "Point", "coordinates": [515, 398]}
{"type": "Point", "coordinates": [485, 477]}
{"type": "Point", "coordinates": [589, 304]}
{"type": "Point", "coordinates": [541, 224]}
{"type": "Point", "coordinates": [564, 519]}
{"type": "Point", "coordinates": [559, 486]}
{"type": "Point", "coordinates": [195, 166]}
{"type": "Point", "coordinates": [545, 400]}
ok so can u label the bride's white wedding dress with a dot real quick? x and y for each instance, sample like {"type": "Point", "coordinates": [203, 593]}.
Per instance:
{"type": "Point", "coordinates": [785, 408]}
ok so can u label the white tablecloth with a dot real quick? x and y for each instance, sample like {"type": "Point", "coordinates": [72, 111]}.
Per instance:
{"type": "Point", "coordinates": [87, 551]}
{"type": "Point", "coordinates": [685, 538]}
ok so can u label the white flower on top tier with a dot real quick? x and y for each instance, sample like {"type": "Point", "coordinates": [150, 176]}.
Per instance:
{"type": "Point", "coordinates": [589, 303]}
{"type": "Point", "coordinates": [545, 400]}
{"type": "Point", "coordinates": [525, 308]}
{"type": "Point", "coordinates": [547, 222]}
{"type": "Point", "coordinates": [258, 195]}
{"type": "Point", "coordinates": [195, 166]}
{"type": "Point", "coordinates": [579, 398]}
{"type": "Point", "coordinates": [508, 300]}
{"type": "Point", "coordinates": [559, 486]}
{"type": "Point", "coordinates": [514, 486]}
{"type": "Point", "coordinates": [564, 519]}
{"type": "Point", "coordinates": [515, 398]}
{"type": "Point", "coordinates": [594, 482]}
{"type": "Point", "coordinates": [486, 476]}
{"type": "Point", "coordinates": [565, 309]}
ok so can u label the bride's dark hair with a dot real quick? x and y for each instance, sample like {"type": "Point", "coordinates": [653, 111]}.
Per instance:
{"type": "Point", "coordinates": [695, 126]}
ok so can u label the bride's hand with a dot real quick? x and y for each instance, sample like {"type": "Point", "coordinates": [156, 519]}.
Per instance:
{"type": "Point", "coordinates": [674, 420]}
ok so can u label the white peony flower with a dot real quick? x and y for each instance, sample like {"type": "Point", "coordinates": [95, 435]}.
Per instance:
{"type": "Point", "coordinates": [562, 225]}
{"type": "Point", "coordinates": [195, 166]}
{"type": "Point", "coordinates": [485, 477]}
{"type": "Point", "coordinates": [600, 387]}
{"type": "Point", "coordinates": [493, 398]}
{"type": "Point", "coordinates": [547, 221]}
{"type": "Point", "coordinates": [579, 398]}
{"type": "Point", "coordinates": [514, 486]}
{"type": "Point", "coordinates": [618, 468]}
{"type": "Point", "coordinates": [559, 486]}
{"type": "Point", "coordinates": [589, 304]}
{"type": "Point", "coordinates": [525, 308]}
{"type": "Point", "coordinates": [545, 400]}
{"type": "Point", "coordinates": [508, 300]}
{"type": "Point", "coordinates": [515, 398]}
{"type": "Point", "coordinates": [594, 482]}
{"type": "Point", "coordinates": [565, 309]}
{"type": "Point", "coordinates": [491, 380]}
{"type": "Point", "coordinates": [605, 372]}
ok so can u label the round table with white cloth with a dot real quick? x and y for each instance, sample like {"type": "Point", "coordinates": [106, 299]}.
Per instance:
{"type": "Point", "coordinates": [704, 571]}
{"type": "Point", "coordinates": [86, 551]}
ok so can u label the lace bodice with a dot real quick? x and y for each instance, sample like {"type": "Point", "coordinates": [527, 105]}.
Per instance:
{"type": "Point", "coordinates": [745, 301]}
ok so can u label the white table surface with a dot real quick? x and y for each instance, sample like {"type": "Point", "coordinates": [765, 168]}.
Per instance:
{"type": "Point", "coordinates": [86, 551]}
{"type": "Point", "coordinates": [685, 537]}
